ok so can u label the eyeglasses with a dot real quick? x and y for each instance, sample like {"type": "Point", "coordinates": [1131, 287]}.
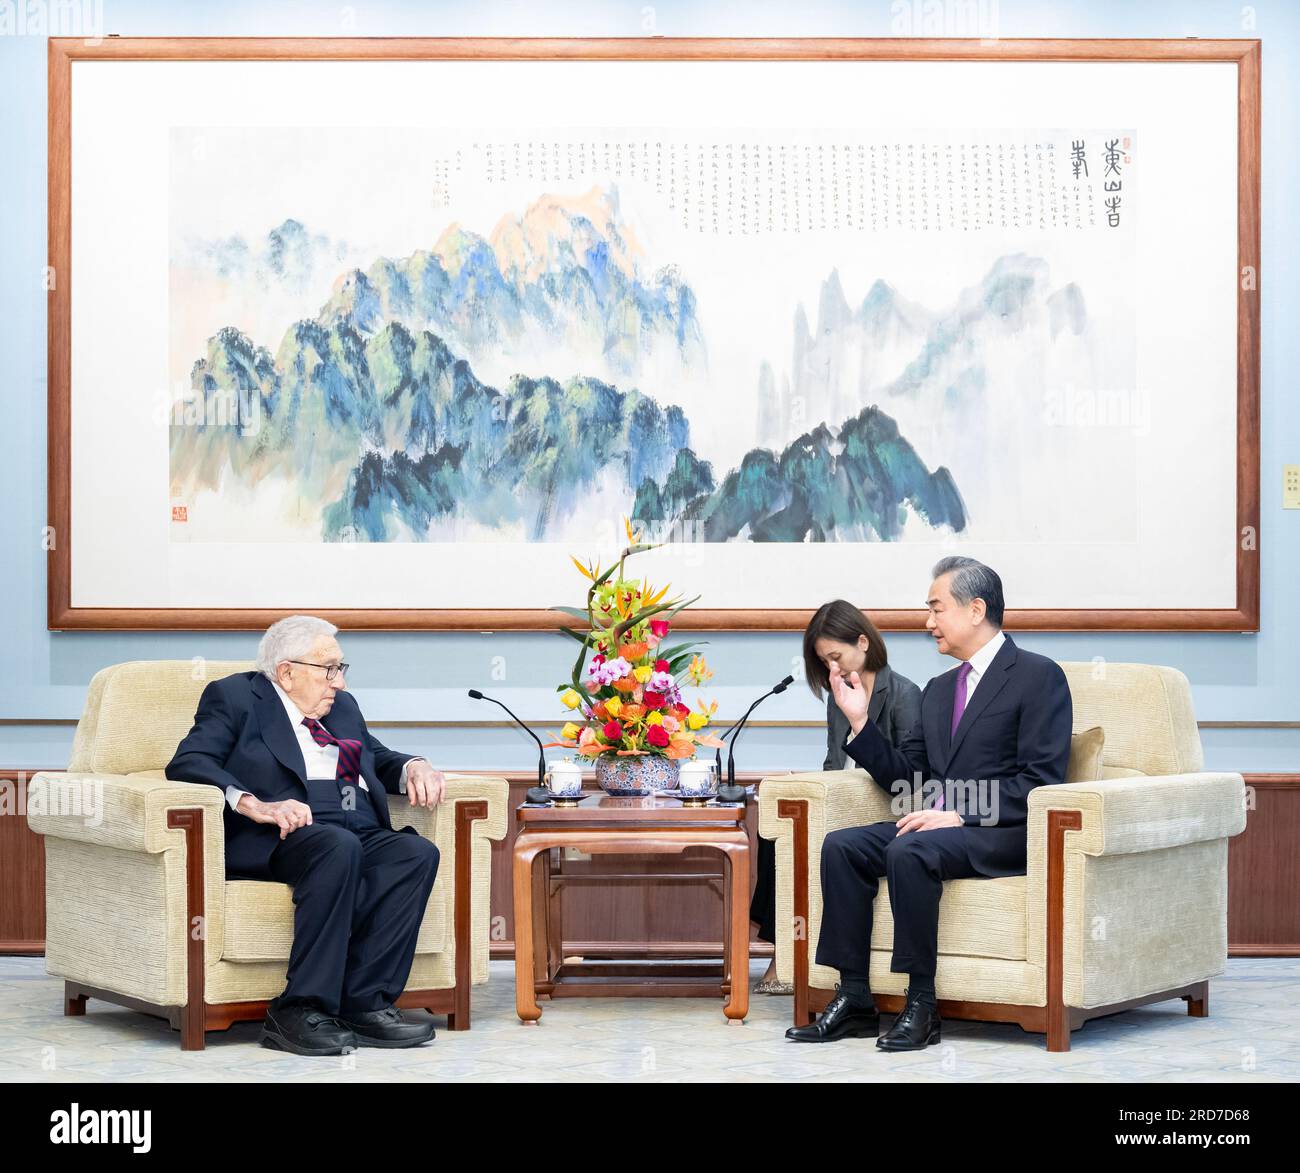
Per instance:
{"type": "Point", "coordinates": [331, 670]}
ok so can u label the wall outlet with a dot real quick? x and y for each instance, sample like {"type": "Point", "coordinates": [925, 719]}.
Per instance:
{"type": "Point", "coordinates": [1291, 486]}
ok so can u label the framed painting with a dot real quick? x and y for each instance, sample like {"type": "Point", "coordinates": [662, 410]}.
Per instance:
{"type": "Point", "coordinates": [386, 330]}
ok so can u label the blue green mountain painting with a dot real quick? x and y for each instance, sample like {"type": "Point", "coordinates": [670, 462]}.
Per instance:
{"type": "Point", "coordinates": [376, 422]}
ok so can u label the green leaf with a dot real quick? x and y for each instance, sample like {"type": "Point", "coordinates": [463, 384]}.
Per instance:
{"type": "Point", "coordinates": [683, 605]}
{"type": "Point", "coordinates": [646, 612]}
{"type": "Point", "coordinates": [678, 649]}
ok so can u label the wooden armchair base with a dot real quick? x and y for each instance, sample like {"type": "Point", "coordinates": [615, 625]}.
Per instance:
{"type": "Point", "coordinates": [1031, 1018]}
{"type": "Point", "coordinates": [1056, 1020]}
{"type": "Point", "coordinates": [453, 1002]}
{"type": "Point", "coordinates": [198, 1016]}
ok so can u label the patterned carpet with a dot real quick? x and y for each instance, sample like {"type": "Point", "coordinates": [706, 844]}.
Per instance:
{"type": "Point", "coordinates": [1252, 1035]}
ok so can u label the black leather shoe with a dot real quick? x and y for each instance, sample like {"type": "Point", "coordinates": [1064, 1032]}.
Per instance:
{"type": "Point", "coordinates": [916, 1028]}
{"type": "Point", "coordinates": [386, 1028]}
{"type": "Point", "coordinates": [841, 1019]}
{"type": "Point", "coordinates": [305, 1030]}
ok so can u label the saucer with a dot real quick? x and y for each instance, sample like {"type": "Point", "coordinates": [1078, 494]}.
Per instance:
{"type": "Point", "coordinates": [690, 799]}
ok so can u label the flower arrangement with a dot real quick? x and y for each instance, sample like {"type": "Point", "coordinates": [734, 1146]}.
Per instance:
{"type": "Point", "coordinates": [630, 703]}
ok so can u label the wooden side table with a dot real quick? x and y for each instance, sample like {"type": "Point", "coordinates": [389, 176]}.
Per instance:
{"type": "Point", "coordinates": [601, 823]}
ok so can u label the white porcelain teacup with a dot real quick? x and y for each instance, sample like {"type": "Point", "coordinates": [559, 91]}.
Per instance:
{"type": "Point", "coordinates": [564, 779]}
{"type": "Point", "coordinates": [697, 779]}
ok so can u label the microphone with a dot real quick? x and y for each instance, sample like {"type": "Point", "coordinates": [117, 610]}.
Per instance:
{"type": "Point", "coordinates": [731, 792]}
{"type": "Point", "coordinates": [541, 753]}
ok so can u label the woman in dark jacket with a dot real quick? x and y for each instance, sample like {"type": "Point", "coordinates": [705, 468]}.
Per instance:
{"type": "Point", "coordinates": [838, 633]}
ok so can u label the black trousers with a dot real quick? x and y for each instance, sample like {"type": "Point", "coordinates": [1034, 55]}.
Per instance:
{"type": "Point", "coordinates": [359, 894]}
{"type": "Point", "coordinates": [916, 864]}
{"type": "Point", "coordinates": [762, 905]}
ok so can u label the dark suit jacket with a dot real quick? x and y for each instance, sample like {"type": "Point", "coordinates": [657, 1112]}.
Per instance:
{"type": "Point", "coordinates": [895, 706]}
{"type": "Point", "coordinates": [1014, 735]}
{"type": "Point", "coordinates": [242, 737]}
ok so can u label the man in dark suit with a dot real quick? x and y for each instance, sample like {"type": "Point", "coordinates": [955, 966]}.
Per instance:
{"type": "Point", "coordinates": [307, 805]}
{"type": "Point", "coordinates": [990, 731]}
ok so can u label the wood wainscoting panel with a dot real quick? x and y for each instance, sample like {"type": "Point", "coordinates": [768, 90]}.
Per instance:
{"type": "Point", "coordinates": [615, 906]}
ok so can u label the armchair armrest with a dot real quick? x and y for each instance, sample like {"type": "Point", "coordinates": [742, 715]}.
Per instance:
{"type": "Point", "coordinates": [1127, 884]}
{"type": "Point", "coordinates": [797, 812]}
{"type": "Point", "coordinates": [1125, 815]}
{"type": "Point", "coordinates": [841, 798]}
{"type": "Point", "coordinates": [470, 816]}
{"type": "Point", "coordinates": [439, 823]}
{"type": "Point", "coordinates": [126, 869]}
{"type": "Point", "coordinates": [126, 811]}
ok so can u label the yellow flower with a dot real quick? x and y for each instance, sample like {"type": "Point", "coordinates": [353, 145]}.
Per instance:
{"type": "Point", "coordinates": [570, 698]}
{"type": "Point", "coordinates": [697, 720]}
{"type": "Point", "coordinates": [698, 670]}
{"type": "Point", "coordinates": [570, 731]}
{"type": "Point", "coordinates": [655, 718]}
{"type": "Point", "coordinates": [643, 673]}
{"type": "Point", "coordinates": [613, 706]}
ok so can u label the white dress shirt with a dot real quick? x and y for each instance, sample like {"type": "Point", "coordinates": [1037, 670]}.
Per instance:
{"type": "Point", "coordinates": [980, 662]}
{"type": "Point", "coordinates": [322, 761]}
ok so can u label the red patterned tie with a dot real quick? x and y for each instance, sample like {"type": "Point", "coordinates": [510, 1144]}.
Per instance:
{"type": "Point", "coordinates": [349, 751]}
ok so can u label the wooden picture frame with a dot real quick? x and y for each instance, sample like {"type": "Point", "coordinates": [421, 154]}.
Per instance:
{"type": "Point", "coordinates": [65, 52]}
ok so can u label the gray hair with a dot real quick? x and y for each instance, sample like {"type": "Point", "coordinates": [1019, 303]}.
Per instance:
{"type": "Point", "coordinates": [973, 580]}
{"type": "Point", "coordinates": [290, 638]}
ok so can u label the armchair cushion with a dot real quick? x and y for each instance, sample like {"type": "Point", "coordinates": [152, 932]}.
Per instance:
{"type": "Point", "coordinates": [1086, 750]}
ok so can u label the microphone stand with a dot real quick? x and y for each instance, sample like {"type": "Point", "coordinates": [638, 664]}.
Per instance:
{"type": "Point", "coordinates": [730, 792]}
{"type": "Point", "coordinates": [538, 793]}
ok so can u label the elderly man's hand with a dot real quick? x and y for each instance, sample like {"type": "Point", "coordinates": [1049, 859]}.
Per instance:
{"type": "Point", "coordinates": [425, 786]}
{"type": "Point", "coordinates": [288, 815]}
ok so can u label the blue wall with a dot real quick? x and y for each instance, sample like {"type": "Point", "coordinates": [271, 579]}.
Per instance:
{"type": "Point", "coordinates": [423, 677]}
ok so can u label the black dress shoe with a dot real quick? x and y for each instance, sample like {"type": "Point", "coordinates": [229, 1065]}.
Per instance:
{"type": "Point", "coordinates": [916, 1028]}
{"type": "Point", "coordinates": [305, 1030]}
{"type": "Point", "coordinates": [841, 1019]}
{"type": "Point", "coordinates": [387, 1028]}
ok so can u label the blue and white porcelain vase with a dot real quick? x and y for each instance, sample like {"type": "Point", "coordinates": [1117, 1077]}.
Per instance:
{"type": "Point", "coordinates": [637, 774]}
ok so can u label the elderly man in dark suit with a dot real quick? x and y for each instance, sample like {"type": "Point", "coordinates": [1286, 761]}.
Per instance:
{"type": "Point", "coordinates": [307, 804]}
{"type": "Point", "coordinates": [990, 731]}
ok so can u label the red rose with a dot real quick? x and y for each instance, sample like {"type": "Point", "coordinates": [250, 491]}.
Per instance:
{"type": "Point", "coordinates": [653, 700]}
{"type": "Point", "coordinates": [613, 731]}
{"type": "Point", "coordinates": [657, 735]}
{"type": "Point", "coordinates": [660, 627]}
{"type": "Point", "coordinates": [661, 665]}
{"type": "Point", "coordinates": [682, 711]}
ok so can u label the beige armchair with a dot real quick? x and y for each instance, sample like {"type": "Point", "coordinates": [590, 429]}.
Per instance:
{"type": "Point", "coordinates": [137, 905]}
{"type": "Point", "coordinates": [1125, 900]}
